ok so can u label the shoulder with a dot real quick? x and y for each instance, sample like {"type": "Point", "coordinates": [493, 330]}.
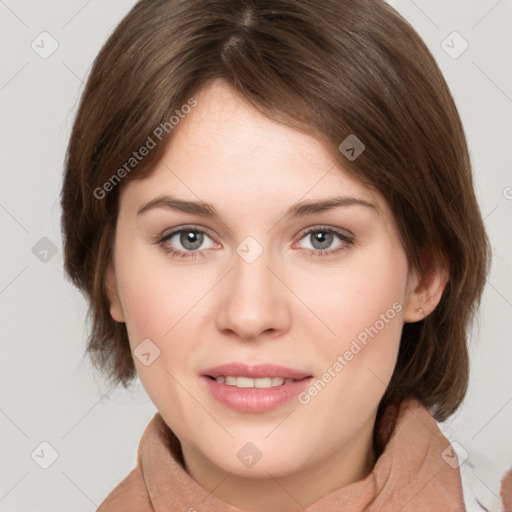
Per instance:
{"type": "Point", "coordinates": [486, 484]}
{"type": "Point", "coordinates": [129, 495]}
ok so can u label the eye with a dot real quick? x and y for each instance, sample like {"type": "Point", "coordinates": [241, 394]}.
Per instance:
{"type": "Point", "coordinates": [322, 238]}
{"type": "Point", "coordinates": [187, 242]}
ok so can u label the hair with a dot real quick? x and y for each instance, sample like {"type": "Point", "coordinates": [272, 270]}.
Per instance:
{"type": "Point", "coordinates": [330, 68]}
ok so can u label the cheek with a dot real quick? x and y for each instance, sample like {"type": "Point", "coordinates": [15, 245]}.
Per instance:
{"type": "Point", "coordinates": [162, 304]}
{"type": "Point", "coordinates": [362, 304]}
{"type": "Point", "coordinates": [160, 301]}
{"type": "Point", "coordinates": [156, 306]}
{"type": "Point", "coordinates": [367, 293]}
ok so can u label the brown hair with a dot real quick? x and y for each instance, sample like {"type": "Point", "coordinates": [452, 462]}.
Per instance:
{"type": "Point", "coordinates": [331, 68]}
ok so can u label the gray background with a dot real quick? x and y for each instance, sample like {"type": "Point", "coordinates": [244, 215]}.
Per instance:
{"type": "Point", "coordinates": [50, 393]}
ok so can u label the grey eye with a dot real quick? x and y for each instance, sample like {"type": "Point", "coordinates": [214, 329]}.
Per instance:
{"type": "Point", "coordinates": [321, 240]}
{"type": "Point", "coordinates": [191, 240]}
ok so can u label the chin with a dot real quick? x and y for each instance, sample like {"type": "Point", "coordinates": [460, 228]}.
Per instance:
{"type": "Point", "coordinates": [250, 462]}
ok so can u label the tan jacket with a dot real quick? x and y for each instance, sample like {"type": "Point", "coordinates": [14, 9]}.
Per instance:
{"type": "Point", "coordinates": [416, 471]}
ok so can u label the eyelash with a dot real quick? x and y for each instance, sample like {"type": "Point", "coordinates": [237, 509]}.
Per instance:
{"type": "Point", "coordinates": [346, 239]}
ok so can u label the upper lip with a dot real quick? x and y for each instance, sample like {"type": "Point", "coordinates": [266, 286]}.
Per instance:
{"type": "Point", "coordinates": [255, 371]}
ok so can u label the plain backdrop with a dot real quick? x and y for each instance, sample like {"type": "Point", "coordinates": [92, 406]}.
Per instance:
{"type": "Point", "coordinates": [49, 392]}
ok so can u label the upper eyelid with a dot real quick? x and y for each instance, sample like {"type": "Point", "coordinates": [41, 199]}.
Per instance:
{"type": "Point", "coordinates": [179, 229]}
{"type": "Point", "coordinates": [341, 231]}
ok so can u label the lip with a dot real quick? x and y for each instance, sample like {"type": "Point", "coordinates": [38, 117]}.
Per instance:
{"type": "Point", "coordinates": [255, 371]}
{"type": "Point", "coordinates": [255, 400]}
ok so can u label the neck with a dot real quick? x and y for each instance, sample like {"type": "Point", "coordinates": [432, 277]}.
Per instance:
{"type": "Point", "coordinates": [293, 492]}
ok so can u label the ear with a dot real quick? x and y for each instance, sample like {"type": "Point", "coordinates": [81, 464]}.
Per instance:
{"type": "Point", "coordinates": [116, 312]}
{"type": "Point", "coordinates": [424, 292]}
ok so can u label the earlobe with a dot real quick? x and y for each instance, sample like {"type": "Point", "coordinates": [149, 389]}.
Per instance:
{"type": "Point", "coordinates": [425, 292]}
{"type": "Point", "coordinates": [116, 311]}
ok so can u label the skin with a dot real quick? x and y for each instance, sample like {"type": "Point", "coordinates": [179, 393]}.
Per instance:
{"type": "Point", "coordinates": [287, 307]}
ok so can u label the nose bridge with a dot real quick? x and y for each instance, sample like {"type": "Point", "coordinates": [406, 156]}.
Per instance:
{"type": "Point", "coordinates": [255, 301]}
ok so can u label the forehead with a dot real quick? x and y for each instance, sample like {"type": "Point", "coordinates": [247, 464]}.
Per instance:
{"type": "Point", "coordinates": [224, 150]}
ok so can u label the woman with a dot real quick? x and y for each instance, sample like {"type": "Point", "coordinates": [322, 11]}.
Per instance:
{"type": "Point", "coordinates": [269, 206]}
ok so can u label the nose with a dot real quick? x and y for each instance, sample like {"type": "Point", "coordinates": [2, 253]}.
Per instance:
{"type": "Point", "coordinates": [254, 301]}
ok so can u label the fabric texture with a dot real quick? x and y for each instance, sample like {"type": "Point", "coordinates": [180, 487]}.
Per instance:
{"type": "Point", "coordinates": [416, 470]}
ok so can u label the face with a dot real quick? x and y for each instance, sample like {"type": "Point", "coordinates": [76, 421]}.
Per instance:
{"type": "Point", "coordinates": [321, 293]}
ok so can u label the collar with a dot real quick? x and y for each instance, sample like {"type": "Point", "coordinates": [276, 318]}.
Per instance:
{"type": "Point", "coordinates": [416, 471]}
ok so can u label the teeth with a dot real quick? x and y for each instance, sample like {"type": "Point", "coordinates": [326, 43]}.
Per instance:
{"type": "Point", "coordinates": [247, 382]}
{"type": "Point", "coordinates": [265, 382]}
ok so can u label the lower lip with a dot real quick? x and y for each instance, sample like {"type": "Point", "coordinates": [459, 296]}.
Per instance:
{"type": "Point", "coordinates": [255, 399]}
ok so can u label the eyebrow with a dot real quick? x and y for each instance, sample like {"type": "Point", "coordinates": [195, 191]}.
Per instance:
{"type": "Point", "coordinates": [301, 209]}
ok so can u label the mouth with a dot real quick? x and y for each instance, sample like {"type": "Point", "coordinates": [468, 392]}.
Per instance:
{"type": "Point", "coordinates": [254, 388]}
{"type": "Point", "coordinates": [248, 382]}
{"type": "Point", "coordinates": [254, 372]}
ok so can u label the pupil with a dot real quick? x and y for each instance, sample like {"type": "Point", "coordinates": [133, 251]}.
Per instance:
{"type": "Point", "coordinates": [324, 238]}
{"type": "Point", "coordinates": [191, 240]}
